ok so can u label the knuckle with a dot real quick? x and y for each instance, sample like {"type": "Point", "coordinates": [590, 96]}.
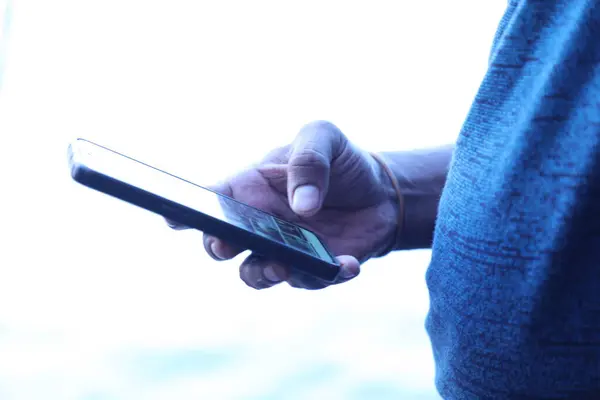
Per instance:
{"type": "Point", "coordinates": [324, 126]}
{"type": "Point", "coordinates": [309, 158]}
{"type": "Point", "coordinates": [321, 134]}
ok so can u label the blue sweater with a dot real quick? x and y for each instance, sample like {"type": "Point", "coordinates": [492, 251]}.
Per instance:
{"type": "Point", "coordinates": [515, 274]}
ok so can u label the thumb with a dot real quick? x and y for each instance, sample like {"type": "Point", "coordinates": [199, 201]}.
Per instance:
{"type": "Point", "coordinates": [309, 166]}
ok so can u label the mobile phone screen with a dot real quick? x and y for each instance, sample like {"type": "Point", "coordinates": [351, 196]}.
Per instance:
{"type": "Point", "coordinates": [187, 194]}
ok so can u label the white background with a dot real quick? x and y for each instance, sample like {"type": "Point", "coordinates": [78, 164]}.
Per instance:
{"type": "Point", "coordinates": [99, 300]}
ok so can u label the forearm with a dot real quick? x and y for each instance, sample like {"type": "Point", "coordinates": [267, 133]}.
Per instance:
{"type": "Point", "coordinates": [421, 175]}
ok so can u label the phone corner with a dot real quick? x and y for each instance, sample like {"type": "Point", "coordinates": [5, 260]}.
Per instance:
{"type": "Point", "coordinates": [78, 171]}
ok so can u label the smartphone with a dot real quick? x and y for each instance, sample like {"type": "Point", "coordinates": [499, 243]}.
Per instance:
{"type": "Point", "coordinates": [182, 201]}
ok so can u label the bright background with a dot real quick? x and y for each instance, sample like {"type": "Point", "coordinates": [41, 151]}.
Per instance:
{"type": "Point", "coordinates": [100, 300]}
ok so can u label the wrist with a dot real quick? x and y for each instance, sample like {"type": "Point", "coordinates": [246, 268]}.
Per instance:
{"type": "Point", "coordinates": [393, 204]}
{"type": "Point", "coordinates": [421, 176]}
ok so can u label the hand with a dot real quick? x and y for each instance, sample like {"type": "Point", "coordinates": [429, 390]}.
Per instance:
{"type": "Point", "coordinates": [324, 183]}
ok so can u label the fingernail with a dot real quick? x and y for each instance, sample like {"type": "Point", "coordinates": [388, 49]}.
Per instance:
{"type": "Point", "coordinates": [270, 274]}
{"type": "Point", "coordinates": [213, 250]}
{"type": "Point", "coordinates": [347, 273]}
{"type": "Point", "coordinates": [174, 225]}
{"type": "Point", "coordinates": [305, 198]}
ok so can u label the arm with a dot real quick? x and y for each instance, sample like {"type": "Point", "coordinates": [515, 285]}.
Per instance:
{"type": "Point", "coordinates": [422, 176]}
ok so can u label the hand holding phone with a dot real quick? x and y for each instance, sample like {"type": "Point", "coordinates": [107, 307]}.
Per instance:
{"type": "Point", "coordinates": [303, 205]}
{"type": "Point", "coordinates": [352, 209]}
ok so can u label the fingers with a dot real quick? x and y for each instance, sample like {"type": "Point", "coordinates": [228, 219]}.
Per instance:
{"type": "Point", "coordinates": [260, 273]}
{"type": "Point", "coordinates": [349, 268]}
{"type": "Point", "coordinates": [218, 249]}
{"type": "Point", "coordinates": [175, 225]}
{"type": "Point", "coordinates": [311, 154]}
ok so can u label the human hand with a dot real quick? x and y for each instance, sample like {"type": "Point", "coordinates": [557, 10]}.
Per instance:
{"type": "Point", "coordinates": [324, 183]}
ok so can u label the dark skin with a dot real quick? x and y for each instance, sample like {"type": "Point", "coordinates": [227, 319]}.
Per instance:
{"type": "Point", "coordinates": [323, 182]}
